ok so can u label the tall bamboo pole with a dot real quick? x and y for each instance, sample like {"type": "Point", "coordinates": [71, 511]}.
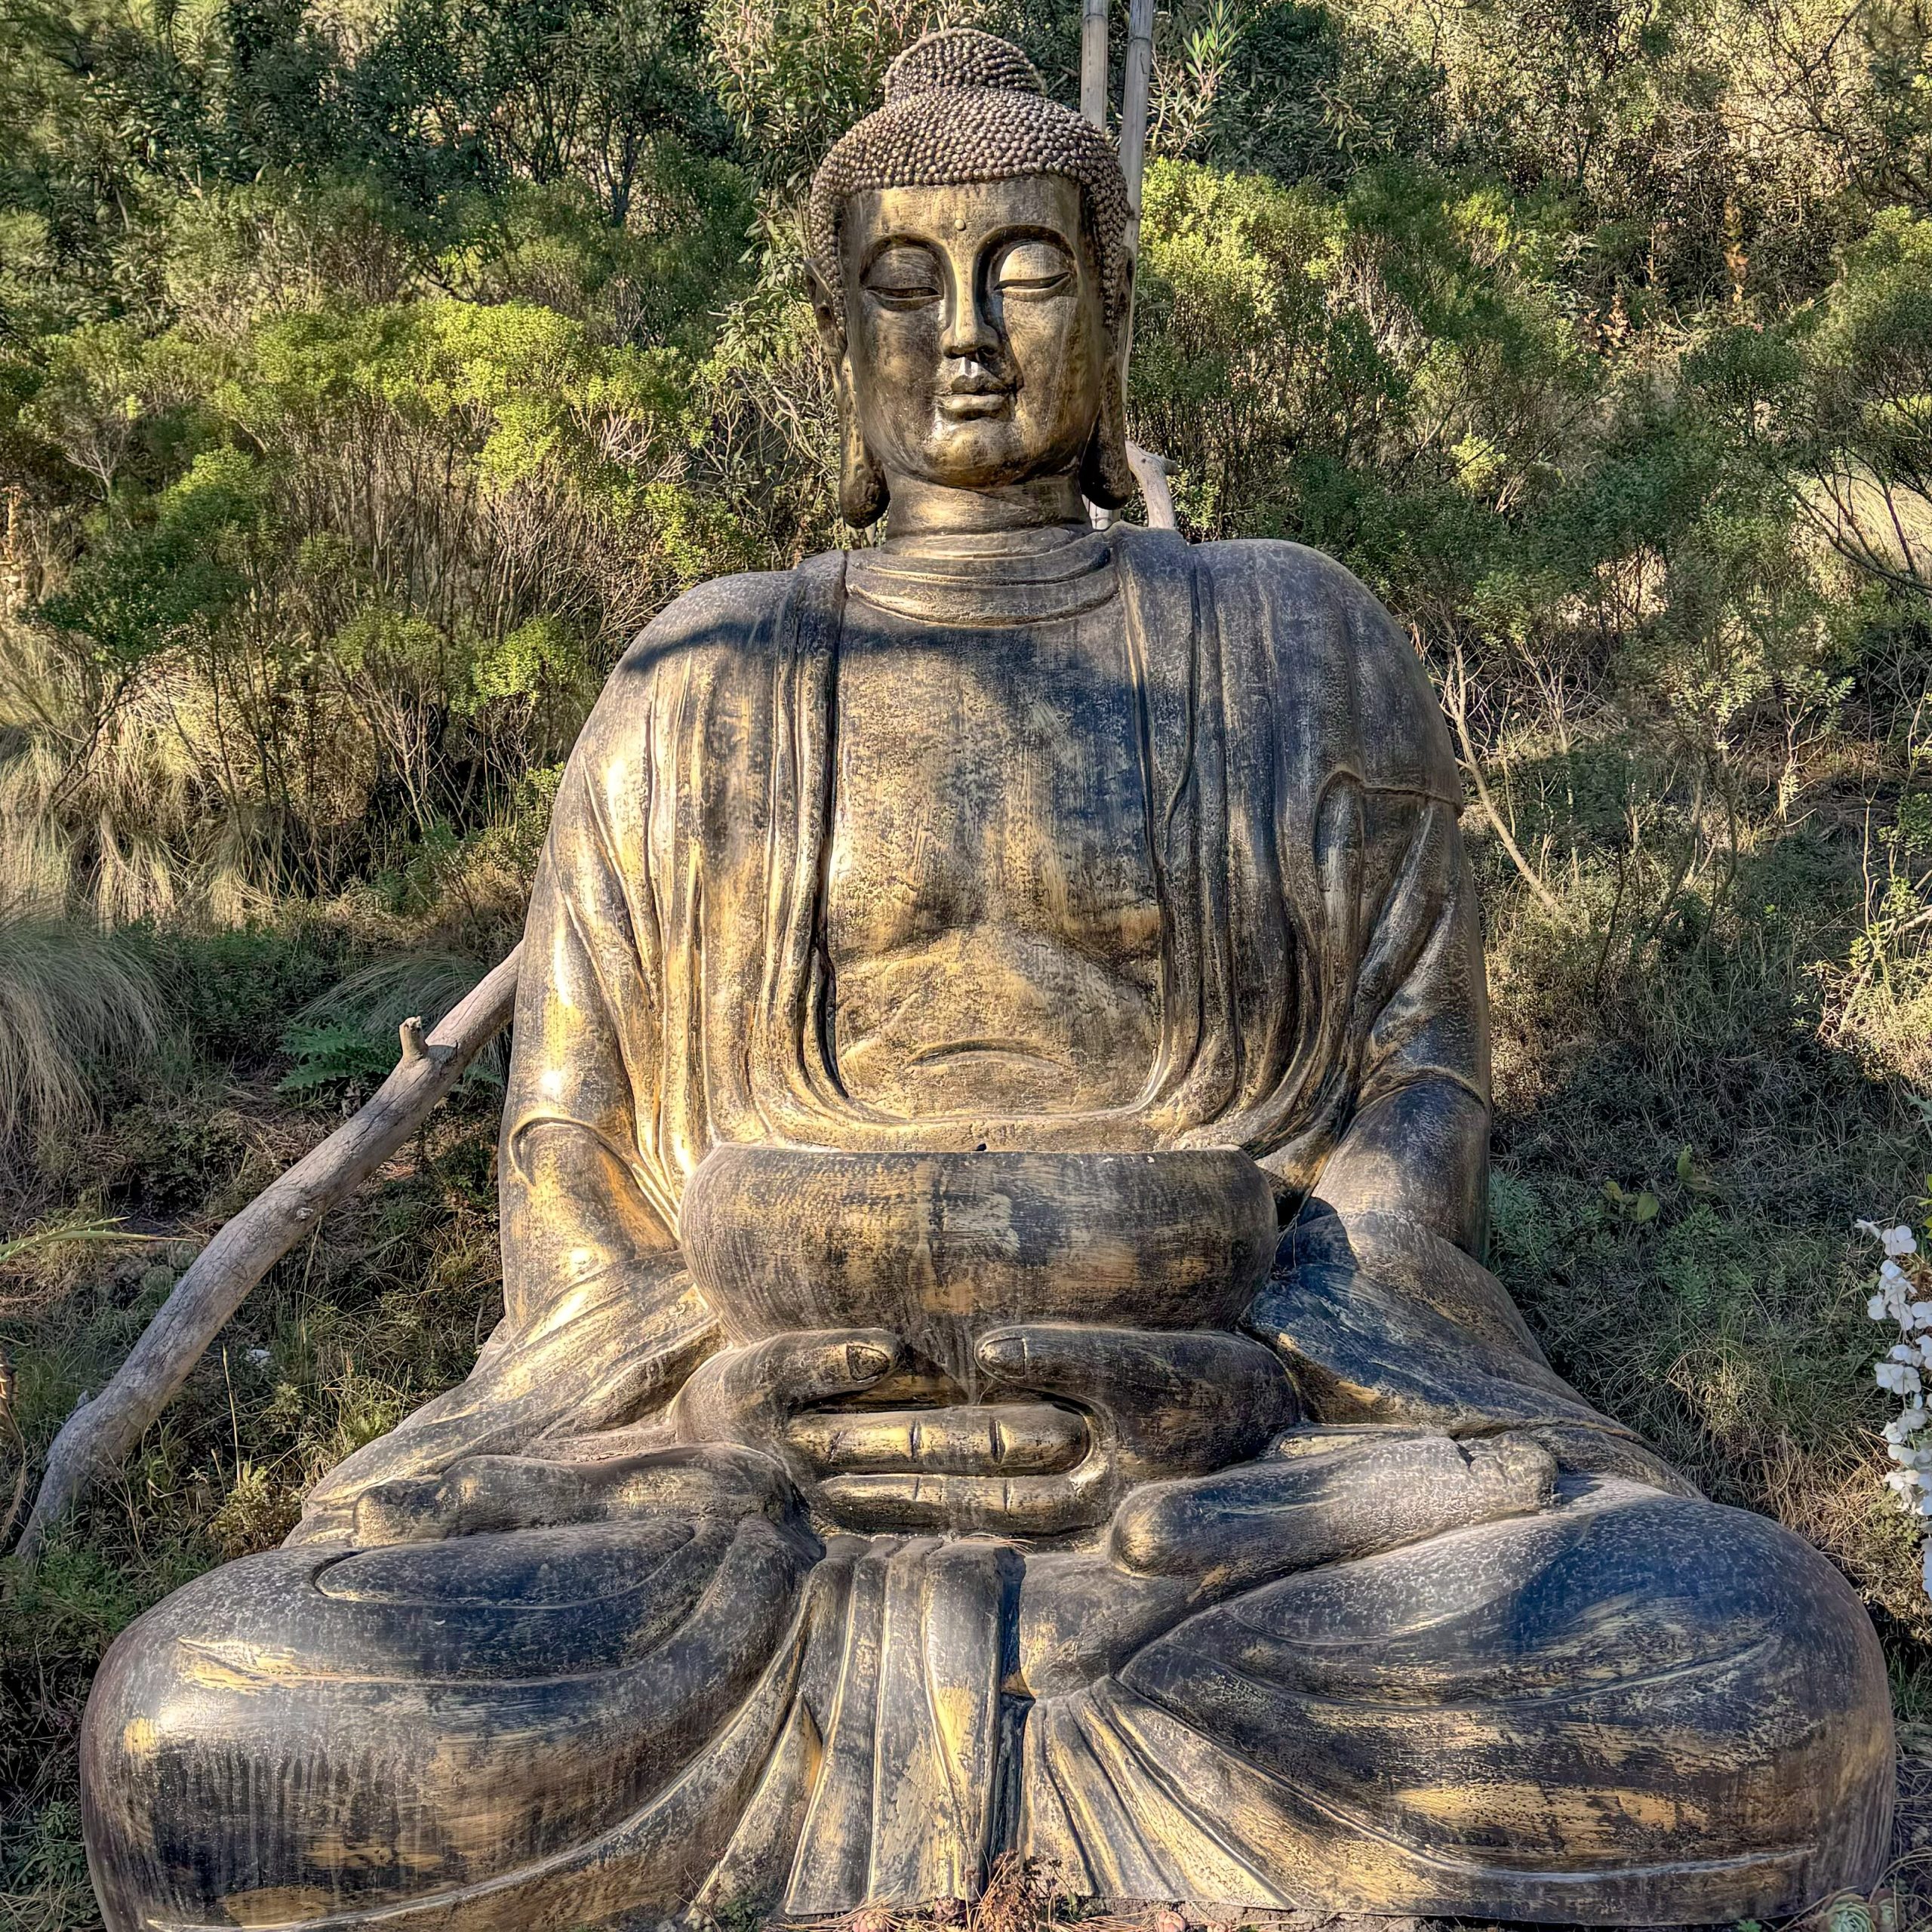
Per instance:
{"type": "Point", "coordinates": [1134, 110]}
{"type": "Point", "coordinates": [1093, 108]}
{"type": "Point", "coordinates": [1093, 62]}
{"type": "Point", "coordinates": [1150, 471]}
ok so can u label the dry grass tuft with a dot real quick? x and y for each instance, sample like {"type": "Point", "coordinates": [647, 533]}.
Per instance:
{"type": "Point", "coordinates": [1910, 1877]}
{"type": "Point", "coordinates": [72, 1000]}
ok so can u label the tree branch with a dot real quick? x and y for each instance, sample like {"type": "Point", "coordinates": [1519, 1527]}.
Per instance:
{"type": "Point", "coordinates": [96, 1438]}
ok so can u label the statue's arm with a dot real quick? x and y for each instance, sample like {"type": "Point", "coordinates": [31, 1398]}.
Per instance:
{"type": "Point", "coordinates": [1383, 1310]}
{"type": "Point", "coordinates": [1380, 1301]}
{"type": "Point", "coordinates": [602, 1322]}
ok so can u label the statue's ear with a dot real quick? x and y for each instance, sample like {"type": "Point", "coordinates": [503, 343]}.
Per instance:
{"type": "Point", "coordinates": [828, 310]}
{"type": "Point", "coordinates": [1106, 477]}
{"type": "Point", "coordinates": [861, 490]}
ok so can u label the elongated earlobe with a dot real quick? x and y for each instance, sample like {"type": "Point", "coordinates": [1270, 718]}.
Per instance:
{"type": "Point", "coordinates": [861, 490]}
{"type": "Point", "coordinates": [1106, 477]}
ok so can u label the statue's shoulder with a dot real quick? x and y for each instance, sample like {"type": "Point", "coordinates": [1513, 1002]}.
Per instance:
{"type": "Point", "coordinates": [1309, 582]}
{"type": "Point", "coordinates": [1291, 580]}
{"type": "Point", "coordinates": [1317, 620]}
{"type": "Point", "coordinates": [725, 627]}
{"type": "Point", "coordinates": [725, 616]}
{"type": "Point", "coordinates": [715, 641]}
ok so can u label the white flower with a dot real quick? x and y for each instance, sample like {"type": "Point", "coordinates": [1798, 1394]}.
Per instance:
{"type": "Point", "coordinates": [1897, 1376]}
{"type": "Point", "coordinates": [1895, 1240]}
{"type": "Point", "coordinates": [1893, 1298]}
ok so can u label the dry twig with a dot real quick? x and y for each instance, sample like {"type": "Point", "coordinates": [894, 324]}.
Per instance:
{"type": "Point", "coordinates": [1456, 702]}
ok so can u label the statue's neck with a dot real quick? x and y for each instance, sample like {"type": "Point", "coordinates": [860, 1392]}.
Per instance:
{"type": "Point", "coordinates": [988, 548]}
{"type": "Point", "coordinates": [978, 579]}
{"type": "Point", "coordinates": [923, 509]}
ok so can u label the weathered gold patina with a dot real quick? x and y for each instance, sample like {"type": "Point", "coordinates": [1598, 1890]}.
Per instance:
{"type": "Point", "coordinates": [996, 1354]}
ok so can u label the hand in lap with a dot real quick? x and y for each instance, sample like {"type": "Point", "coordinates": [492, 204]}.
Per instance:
{"type": "Point", "coordinates": [1113, 1408]}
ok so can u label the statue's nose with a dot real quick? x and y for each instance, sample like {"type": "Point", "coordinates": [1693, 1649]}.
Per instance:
{"type": "Point", "coordinates": [970, 334]}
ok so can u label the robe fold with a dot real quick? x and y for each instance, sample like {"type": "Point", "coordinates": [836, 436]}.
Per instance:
{"type": "Point", "coordinates": [1458, 1644]}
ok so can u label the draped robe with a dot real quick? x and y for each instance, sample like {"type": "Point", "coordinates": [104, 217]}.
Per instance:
{"type": "Point", "coordinates": [1526, 1673]}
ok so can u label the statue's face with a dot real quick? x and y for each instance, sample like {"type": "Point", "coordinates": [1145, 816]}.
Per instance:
{"type": "Point", "coordinates": [975, 330]}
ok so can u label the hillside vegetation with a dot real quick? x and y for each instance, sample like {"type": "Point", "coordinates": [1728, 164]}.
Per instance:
{"type": "Point", "coordinates": [371, 370]}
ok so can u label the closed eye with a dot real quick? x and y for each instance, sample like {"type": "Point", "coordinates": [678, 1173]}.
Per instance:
{"type": "Point", "coordinates": [903, 278]}
{"type": "Point", "coordinates": [902, 295]}
{"type": "Point", "coordinates": [1034, 269]}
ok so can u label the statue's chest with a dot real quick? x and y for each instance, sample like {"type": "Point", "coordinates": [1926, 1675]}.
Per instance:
{"type": "Point", "coordinates": [992, 913]}
{"type": "Point", "coordinates": [989, 774]}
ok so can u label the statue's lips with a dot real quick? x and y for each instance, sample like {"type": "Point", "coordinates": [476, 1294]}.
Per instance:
{"type": "Point", "coordinates": [938, 1248]}
{"type": "Point", "coordinates": [973, 405]}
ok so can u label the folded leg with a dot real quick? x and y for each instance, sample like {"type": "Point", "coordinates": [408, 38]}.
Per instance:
{"type": "Point", "coordinates": [314, 1732]}
{"type": "Point", "coordinates": [1630, 1708]}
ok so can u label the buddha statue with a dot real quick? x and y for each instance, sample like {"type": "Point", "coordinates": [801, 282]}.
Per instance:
{"type": "Point", "coordinates": [996, 1357]}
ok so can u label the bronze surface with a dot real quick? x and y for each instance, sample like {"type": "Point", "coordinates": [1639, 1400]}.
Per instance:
{"type": "Point", "coordinates": [996, 1354]}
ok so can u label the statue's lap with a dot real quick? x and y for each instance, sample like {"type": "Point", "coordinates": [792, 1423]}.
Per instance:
{"type": "Point", "coordinates": [1623, 1682]}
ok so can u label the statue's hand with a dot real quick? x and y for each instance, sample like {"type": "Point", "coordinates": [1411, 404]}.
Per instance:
{"type": "Point", "coordinates": [749, 1395]}
{"type": "Point", "coordinates": [1154, 1404]}
{"type": "Point", "coordinates": [1328, 1496]}
{"type": "Point", "coordinates": [484, 1493]}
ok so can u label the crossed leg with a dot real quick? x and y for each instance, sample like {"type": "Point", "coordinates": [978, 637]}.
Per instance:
{"type": "Point", "coordinates": [314, 1732]}
{"type": "Point", "coordinates": [1629, 1708]}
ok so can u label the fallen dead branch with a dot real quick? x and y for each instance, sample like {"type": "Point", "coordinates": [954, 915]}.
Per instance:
{"type": "Point", "coordinates": [100, 1432]}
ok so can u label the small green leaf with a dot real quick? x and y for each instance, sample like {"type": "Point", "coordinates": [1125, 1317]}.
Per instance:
{"type": "Point", "coordinates": [1645, 1208]}
{"type": "Point", "coordinates": [1684, 1167]}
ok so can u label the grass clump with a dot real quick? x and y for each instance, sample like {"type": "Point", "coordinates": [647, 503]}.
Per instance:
{"type": "Point", "coordinates": [74, 1000]}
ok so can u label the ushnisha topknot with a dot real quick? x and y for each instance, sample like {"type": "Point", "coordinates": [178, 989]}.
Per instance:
{"type": "Point", "coordinates": [960, 57]}
{"type": "Point", "coordinates": [961, 106]}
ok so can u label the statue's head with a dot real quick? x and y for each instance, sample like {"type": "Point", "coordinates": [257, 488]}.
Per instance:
{"type": "Point", "coordinates": [969, 265]}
